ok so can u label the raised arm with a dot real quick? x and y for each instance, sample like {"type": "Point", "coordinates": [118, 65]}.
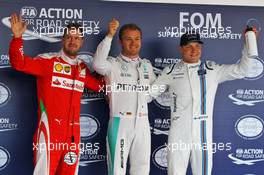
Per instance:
{"type": "Point", "coordinates": [17, 26]}
{"type": "Point", "coordinates": [235, 71]}
{"type": "Point", "coordinates": [18, 60]}
{"type": "Point", "coordinates": [100, 62]}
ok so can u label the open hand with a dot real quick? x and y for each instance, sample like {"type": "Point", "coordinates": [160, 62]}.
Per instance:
{"type": "Point", "coordinates": [17, 26]}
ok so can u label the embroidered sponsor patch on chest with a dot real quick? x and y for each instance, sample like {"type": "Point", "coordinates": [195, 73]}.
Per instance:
{"type": "Point", "coordinates": [124, 71]}
{"type": "Point", "coordinates": [177, 75]}
{"type": "Point", "coordinates": [62, 68]}
{"type": "Point", "coordinates": [66, 83]}
{"type": "Point", "coordinates": [145, 71]}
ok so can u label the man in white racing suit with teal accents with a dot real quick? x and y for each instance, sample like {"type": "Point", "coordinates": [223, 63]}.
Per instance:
{"type": "Point", "coordinates": [127, 85]}
{"type": "Point", "coordinates": [192, 85]}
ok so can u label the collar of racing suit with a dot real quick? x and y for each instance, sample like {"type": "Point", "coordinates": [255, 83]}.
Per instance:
{"type": "Point", "coordinates": [68, 59]}
{"type": "Point", "coordinates": [191, 65]}
{"type": "Point", "coordinates": [134, 62]}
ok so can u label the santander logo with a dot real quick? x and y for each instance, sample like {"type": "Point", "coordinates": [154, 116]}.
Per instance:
{"type": "Point", "coordinates": [66, 83]}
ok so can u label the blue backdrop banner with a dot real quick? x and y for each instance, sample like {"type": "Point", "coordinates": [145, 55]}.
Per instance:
{"type": "Point", "coordinates": [238, 108]}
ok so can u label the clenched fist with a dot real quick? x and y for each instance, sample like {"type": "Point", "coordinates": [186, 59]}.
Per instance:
{"type": "Point", "coordinates": [112, 27]}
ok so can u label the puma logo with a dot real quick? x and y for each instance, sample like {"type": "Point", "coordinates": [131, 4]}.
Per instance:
{"type": "Point", "coordinates": [59, 121]}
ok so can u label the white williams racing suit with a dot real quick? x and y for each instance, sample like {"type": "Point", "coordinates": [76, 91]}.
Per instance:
{"type": "Point", "coordinates": [127, 88]}
{"type": "Point", "coordinates": [192, 88]}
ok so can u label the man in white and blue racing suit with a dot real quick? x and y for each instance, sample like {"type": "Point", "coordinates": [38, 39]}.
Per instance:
{"type": "Point", "coordinates": [127, 85]}
{"type": "Point", "coordinates": [192, 85]}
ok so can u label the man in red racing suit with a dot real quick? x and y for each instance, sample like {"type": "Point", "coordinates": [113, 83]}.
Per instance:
{"type": "Point", "coordinates": [61, 79]}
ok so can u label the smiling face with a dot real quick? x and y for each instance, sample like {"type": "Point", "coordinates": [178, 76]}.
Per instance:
{"type": "Point", "coordinates": [72, 42]}
{"type": "Point", "coordinates": [191, 53]}
{"type": "Point", "coordinates": [131, 43]}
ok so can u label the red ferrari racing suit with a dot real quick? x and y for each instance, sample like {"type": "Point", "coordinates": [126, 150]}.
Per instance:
{"type": "Point", "coordinates": [60, 83]}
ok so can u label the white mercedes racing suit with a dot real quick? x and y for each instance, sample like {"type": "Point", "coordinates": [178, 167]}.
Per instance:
{"type": "Point", "coordinates": [127, 86]}
{"type": "Point", "coordinates": [192, 88]}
